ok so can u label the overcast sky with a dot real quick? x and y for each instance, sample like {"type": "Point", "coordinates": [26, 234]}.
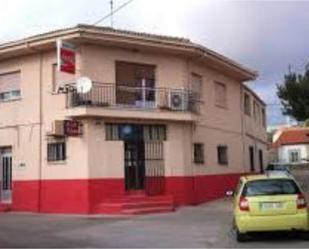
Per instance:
{"type": "Point", "coordinates": [267, 36]}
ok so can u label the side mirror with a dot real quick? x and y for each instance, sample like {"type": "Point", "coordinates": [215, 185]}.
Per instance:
{"type": "Point", "coordinates": [229, 193]}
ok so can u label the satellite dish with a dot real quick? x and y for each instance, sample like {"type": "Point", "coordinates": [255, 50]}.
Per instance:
{"type": "Point", "coordinates": [83, 85]}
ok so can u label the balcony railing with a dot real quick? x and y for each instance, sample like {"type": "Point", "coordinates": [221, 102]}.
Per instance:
{"type": "Point", "coordinates": [110, 95]}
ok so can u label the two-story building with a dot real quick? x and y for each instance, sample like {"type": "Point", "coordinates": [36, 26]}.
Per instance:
{"type": "Point", "coordinates": [167, 122]}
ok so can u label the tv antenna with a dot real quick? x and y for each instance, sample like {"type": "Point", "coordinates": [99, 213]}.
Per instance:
{"type": "Point", "coordinates": [112, 13]}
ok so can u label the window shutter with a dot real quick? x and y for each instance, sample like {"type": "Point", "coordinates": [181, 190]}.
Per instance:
{"type": "Point", "coordinates": [10, 82]}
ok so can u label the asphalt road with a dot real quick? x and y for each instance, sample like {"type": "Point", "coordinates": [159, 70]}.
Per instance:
{"type": "Point", "coordinates": [205, 226]}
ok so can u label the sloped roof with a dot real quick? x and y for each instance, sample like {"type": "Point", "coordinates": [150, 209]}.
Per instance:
{"type": "Point", "coordinates": [117, 36]}
{"type": "Point", "coordinates": [292, 136]}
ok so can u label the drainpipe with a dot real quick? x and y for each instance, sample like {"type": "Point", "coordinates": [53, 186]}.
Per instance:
{"type": "Point", "coordinates": [40, 121]}
{"type": "Point", "coordinates": [40, 130]}
{"type": "Point", "coordinates": [242, 127]}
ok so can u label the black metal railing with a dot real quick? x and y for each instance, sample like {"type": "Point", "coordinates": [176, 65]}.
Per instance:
{"type": "Point", "coordinates": [109, 95]}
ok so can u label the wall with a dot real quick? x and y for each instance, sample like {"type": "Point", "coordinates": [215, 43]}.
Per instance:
{"type": "Point", "coordinates": [283, 151]}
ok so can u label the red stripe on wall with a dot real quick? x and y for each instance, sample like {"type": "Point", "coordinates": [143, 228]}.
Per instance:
{"type": "Point", "coordinates": [82, 196]}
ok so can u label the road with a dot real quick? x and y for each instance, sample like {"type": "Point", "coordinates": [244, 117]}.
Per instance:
{"type": "Point", "coordinates": [205, 226]}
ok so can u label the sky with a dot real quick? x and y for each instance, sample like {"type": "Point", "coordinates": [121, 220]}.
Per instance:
{"type": "Point", "coordinates": [267, 36]}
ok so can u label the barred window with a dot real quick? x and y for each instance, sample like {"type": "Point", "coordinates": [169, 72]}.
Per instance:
{"type": "Point", "coordinates": [198, 153]}
{"type": "Point", "coordinates": [56, 151]}
{"type": "Point", "coordinates": [154, 133]}
{"type": "Point", "coordinates": [135, 131]}
{"type": "Point", "coordinates": [222, 151]}
{"type": "Point", "coordinates": [112, 132]}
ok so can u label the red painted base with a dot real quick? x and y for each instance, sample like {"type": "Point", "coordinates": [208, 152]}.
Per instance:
{"type": "Point", "coordinates": [87, 196]}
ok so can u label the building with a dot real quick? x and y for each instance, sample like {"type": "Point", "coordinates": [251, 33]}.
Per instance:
{"type": "Point", "coordinates": [167, 123]}
{"type": "Point", "coordinates": [291, 145]}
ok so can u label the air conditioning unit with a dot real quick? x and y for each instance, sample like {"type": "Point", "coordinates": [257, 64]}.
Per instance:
{"type": "Point", "coordinates": [178, 100]}
{"type": "Point", "coordinates": [58, 128]}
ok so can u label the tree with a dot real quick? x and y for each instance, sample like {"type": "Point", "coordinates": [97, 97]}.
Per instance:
{"type": "Point", "coordinates": [294, 94]}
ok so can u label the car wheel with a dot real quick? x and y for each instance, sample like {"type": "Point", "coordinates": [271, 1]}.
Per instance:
{"type": "Point", "coordinates": [241, 237]}
{"type": "Point", "coordinates": [305, 235]}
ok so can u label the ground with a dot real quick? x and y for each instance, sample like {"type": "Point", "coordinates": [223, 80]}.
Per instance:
{"type": "Point", "coordinates": [207, 225]}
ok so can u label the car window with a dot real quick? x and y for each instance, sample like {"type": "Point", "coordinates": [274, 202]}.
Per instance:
{"type": "Point", "coordinates": [270, 187]}
{"type": "Point", "coordinates": [270, 167]}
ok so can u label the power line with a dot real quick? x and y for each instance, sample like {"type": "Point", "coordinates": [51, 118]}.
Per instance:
{"type": "Point", "coordinates": [112, 12]}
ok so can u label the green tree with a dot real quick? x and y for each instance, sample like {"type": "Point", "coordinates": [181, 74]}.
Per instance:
{"type": "Point", "coordinates": [294, 94]}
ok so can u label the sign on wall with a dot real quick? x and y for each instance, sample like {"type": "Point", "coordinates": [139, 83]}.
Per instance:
{"type": "Point", "coordinates": [66, 53]}
{"type": "Point", "coordinates": [72, 128]}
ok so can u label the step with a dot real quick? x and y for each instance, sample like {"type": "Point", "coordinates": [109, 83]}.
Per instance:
{"type": "Point", "coordinates": [128, 199]}
{"type": "Point", "coordinates": [141, 204]}
{"type": "Point", "coordinates": [136, 205]}
{"type": "Point", "coordinates": [149, 210]}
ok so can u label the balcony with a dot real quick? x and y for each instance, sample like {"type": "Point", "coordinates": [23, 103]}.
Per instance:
{"type": "Point", "coordinates": [110, 100]}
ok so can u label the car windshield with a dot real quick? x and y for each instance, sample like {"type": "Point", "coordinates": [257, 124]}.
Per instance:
{"type": "Point", "coordinates": [270, 187]}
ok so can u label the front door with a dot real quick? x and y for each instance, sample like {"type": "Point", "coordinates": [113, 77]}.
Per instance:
{"type": "Point", "coordinates": [6, 176]}
{"type": "Point", "coordinates": [134, 165]}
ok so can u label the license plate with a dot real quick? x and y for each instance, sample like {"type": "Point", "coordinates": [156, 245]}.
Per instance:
{"type": "Point", "coordinates": [271, 205]}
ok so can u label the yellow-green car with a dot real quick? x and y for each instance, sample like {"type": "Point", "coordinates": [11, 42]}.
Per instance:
{"type": "Point", "coordinates": [270, 202]}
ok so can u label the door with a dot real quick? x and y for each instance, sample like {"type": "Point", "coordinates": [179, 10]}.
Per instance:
{"type": "Point", "coordinates": [261, 161]}
{"type": "Point", "coordinates": [6, 176]}
{"type": "Point", "coordinates": [134, 165]}
{"type": "Point", "coordinates": [251, 155]}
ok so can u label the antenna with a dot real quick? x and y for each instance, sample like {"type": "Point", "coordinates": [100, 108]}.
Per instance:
{"type": "Point", "coordinates": [112, 13]}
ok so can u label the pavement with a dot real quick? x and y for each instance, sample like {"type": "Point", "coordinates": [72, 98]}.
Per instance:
{"type": "Point", "coordinates": [203, 226]}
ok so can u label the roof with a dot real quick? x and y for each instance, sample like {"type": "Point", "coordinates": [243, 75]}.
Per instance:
{"type": "Point", "coordinates": [256, 96]}
{"type": "Point", "coordinates": [116, 37]}
{"type": "Point", "coordinates": [271, 175]}
{"type": "Point", "coordinates": [292, 136]}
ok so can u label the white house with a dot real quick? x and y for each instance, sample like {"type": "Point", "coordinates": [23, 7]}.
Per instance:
{"type": "Point", "coordinates": [291, 145]}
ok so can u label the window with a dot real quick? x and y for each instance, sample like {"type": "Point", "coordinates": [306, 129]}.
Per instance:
{"type": "Point", "coordinates": [294, 156]}
{"type": "Point", "coordinates": [135, 83]}
{"type": "Point", "coordinates": [10, 86]}
{"type": "Point", "coordinates": [255, 111]}
{"type": "Point", "coordinates": [135, 132]}
{"type": "Point", "coordinates": [252, 160]}
{"type": "Point", "coordinates": [270, 187]}
{"type": "Point", "coordinates": [154, 133]}
{"type": "Point", "coordinates": [222, 151]}
{"type": "Point", "coordinates": [220, 95]}
{"type": "Point", "coordinates": [56, 151]}
{"type": "Point", "coordinates": [196, 85]}
{"type": "Point", "coordinates": [247, 104]}
{"type": "Point", "coordinates": [263, 117]}
{"type": "Point", "coordinates": [198, 153]}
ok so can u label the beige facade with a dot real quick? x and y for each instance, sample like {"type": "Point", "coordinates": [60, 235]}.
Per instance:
{"type": "Point", "coordinates": [27, 123]}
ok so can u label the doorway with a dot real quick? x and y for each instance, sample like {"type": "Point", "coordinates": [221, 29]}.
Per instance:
{"type": "Point", "coordinates": [134, 164]}
{"type": "Point", "coordinates": [6, 175]}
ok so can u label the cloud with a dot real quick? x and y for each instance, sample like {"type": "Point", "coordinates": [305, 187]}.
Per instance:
{"type": "Point", "coordinates": [263, 35]}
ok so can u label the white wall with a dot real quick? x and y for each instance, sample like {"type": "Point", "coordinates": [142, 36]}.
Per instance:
{"type": "Point", "coordinates": [283, 151]}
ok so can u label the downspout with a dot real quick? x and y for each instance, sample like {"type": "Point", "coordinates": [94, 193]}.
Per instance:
{"type": "Point", "coordinates": [40, 130]}
{"type": "Point", "coordinates": [40, 122]}
{"type": "Point", "coordinates": [242, 127]}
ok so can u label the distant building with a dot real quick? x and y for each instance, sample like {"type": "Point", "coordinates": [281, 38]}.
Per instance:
{"type": "Point", "coordinates": [291, 145]}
